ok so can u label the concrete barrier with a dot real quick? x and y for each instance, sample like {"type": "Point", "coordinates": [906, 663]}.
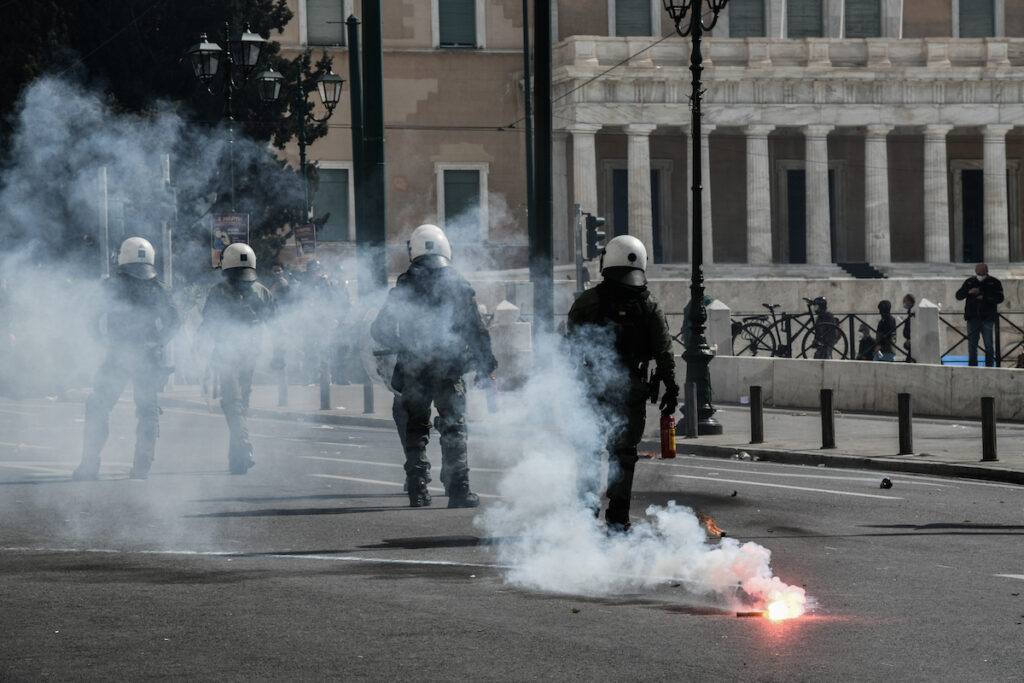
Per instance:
{"type": "Point", "coordinates": [937, 390]}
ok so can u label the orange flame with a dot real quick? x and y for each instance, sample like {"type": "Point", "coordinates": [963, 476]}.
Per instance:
{"type": "Point", "coordinates": [709, 524]}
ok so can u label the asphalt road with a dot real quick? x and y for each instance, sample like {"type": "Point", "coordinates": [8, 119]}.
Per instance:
{"type": "Point", "coordinates": [312, 567]}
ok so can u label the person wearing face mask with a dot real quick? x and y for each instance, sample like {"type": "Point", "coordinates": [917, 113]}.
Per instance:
{"type": "Point", "coordinates": [981, 294]}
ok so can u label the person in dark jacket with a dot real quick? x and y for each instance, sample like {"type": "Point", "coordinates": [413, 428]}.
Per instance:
{"type": "Point", "coordinates": [866, 344]}
{"type": "Point", "coordinates": [886, 333]}
{"type": "Point", "coordinates": [981, 294]}
{"type": "Point", "coordinates": [432, 321]}
{"type": "Point", "coordinates": [236, 312]}
{"type": "Point", "coordinates": [908, 305]}
{"type": "Point", "coordinates": [140, 320]}
{"type": "Point", "coordinates": [614, 331]}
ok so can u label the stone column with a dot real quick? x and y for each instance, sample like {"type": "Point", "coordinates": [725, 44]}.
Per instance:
{"type": "Point", "coordinates": [997, 230]}
{"type": "Point", "coordinates": [584, 166]}
{"type": "Point", "coordinates": [877, 242]}
{"type": "Point", "coordinates": [562, 225]}
{"type": "Point", "coordinates": [705, 173]}
{"type": "Point", "coordinates": [759, 204]}
{"type": "Point", "coordinates": [639, 162]}
{"type": "Point", "coordinates": [819, 235]}
{"type": "Point", "coordinates": [936, 194]}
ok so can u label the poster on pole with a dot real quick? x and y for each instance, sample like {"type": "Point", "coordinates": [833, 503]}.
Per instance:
{"type": "Point", "coordinates": [227, 228]}
{"type": "Point", "coordinates": [305, 240]}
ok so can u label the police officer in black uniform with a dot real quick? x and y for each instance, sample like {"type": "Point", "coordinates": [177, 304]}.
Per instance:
{"type": "Point", "coordinates": [431, 319]}
{"type": "Point", "coordinates": [614, 330]}
{"type": "Point", "coordinates": [234, 316]}
{"type": "Point", "coordinates": [140, 320]}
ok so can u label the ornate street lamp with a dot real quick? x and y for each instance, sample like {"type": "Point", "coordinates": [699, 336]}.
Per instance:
{"type": "Point", "coordinates": [328, 85]}
{"type": "Point", "coordinates": [687, 17]}
{"type": "Point", "coordinates": [243, 55]}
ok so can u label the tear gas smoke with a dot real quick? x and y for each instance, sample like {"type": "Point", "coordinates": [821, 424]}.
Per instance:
{"type": "Point", "coordinates": [550, 537]}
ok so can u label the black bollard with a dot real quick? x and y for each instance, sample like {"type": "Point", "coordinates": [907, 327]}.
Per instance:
{"type": "Point", "coordinates": [690, 391]}
{"type": "Point", "coordinates": [828, 420]}
{"type": "Point", "coordinates": [282, 387]}
{"type": "Point", "coordinates": [988, 429]}
{"type": "Point", "coordinates": [906, 428]}
{"type": "Point", "coordinates": [325, 386]}
{"type": "Point", "coordinates": [756, 415]}
{"type": "Point", "coordinates": [368, 397]}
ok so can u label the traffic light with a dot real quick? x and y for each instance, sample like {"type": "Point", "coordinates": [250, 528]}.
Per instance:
{"type": "Point", "coordinates": [594, 235]}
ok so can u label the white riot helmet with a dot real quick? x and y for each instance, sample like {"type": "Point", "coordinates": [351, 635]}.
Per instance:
{"type": "Point", "coordinates": [136, 258]}
{"type": "Point", "coordinates": [624, 260]}
{"type": "Point", "coordinates": [238, 261]}
{"type": "Point", "coordinates": [428, 242]}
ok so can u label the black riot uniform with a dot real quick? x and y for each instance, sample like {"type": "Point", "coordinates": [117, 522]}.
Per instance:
{"type": "Point", "coordinates": [140, 320]}
{"type": "Point", "coordinates": [614, 330]}
{"type": "Point", "coordinates": [234, 316]}
{"type": "Point", "coordinates": [431, 319]}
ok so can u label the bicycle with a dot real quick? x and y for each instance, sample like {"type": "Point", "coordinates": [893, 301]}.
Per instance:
{"type": "Point", "coordinates": [773, 335]}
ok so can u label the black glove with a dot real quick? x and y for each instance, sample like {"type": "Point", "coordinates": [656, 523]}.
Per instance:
{"type": "Point", "coordinates": [670, 401]}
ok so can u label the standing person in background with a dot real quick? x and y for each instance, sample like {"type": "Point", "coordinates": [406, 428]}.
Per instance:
{"type": "Point", "coordinates": [908, 306]}
{"type": "Point", "coordinates": [140, 320]}
{"type": "Point", "coordinates": [981, 294]}
{"type": "Point", "coordinates": [614, 330]}
{"type": "Point", "coordinates": [234, 316]}
{"type": "Point", "coordinates": [431, 320]}
{"type": "Point", "coordinates": [886, 333]}
{"type": "Point", "coordinates": [826, 330]}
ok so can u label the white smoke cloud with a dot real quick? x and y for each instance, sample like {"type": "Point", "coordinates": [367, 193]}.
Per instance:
{"type": "Point", "coordinates": [550, 539]}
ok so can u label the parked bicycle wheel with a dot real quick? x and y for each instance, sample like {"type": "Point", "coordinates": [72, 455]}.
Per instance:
{"type": "Point", "coordinates": [755, 339]}
{"type": "Point", "coordinates": [826, 342]}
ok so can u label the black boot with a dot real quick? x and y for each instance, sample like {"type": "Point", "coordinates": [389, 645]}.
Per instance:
{"type": "Point", "coordinates": [240, 459]}
{"type": "Point", "coordinates": [419, 497]}
{"type": "Point", "coordinates": [461, 496]}
{"type": "Point", "coordinates": [88, 470]}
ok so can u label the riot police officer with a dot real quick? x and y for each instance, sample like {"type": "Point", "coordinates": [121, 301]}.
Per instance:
{"type": "Point", "coordinates": [614, 330]}
{"type": "Point", "coordinates": [234, 316]}
{"type": "Point", "coordinates": [140, 320]}
{"type": "Point", "coordinates": [431, 319]}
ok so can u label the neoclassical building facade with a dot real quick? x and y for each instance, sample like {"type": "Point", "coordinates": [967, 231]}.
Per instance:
{"type": "Point", "coordinates": [888, 131]}
{"type": "Point", "coordinates": [816, 150]}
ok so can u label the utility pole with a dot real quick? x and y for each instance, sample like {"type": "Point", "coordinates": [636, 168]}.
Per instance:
{"type": "Point", "coordinates": [541, 243]}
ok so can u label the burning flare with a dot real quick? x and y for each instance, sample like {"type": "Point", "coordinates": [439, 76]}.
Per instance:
{"type": "Point", "coordinates": [709, 524]}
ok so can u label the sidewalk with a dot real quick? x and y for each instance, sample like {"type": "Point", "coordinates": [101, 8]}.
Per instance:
{"type": "Point", "coordinates": [941, 447]}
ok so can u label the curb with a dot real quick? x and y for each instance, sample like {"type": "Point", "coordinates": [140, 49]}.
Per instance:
{"type": "Point", "coordinates": [881, 463]}
{"type": "Point", "coordinates": [292, 415]}
{"type": "Point", "coordinates": [812, 458]}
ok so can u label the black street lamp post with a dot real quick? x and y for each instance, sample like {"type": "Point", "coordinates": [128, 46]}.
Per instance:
{"type": "Point", "coordinates": [329, 86]}
{"type": "Point", "coordinates": [242, 54]}
{"type": "Point", "coordinates": [687, 17]}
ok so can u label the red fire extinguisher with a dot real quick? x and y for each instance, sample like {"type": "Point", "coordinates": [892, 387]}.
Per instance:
{"type": "Point", "coordinates": [668, 436]}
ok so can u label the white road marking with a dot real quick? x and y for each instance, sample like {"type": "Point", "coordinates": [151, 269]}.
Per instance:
{"type": "Point", "coordinates": [1011, 576]}
{"type": "Point", "coordinates": [334, 458]}
{"type": "Point", "coordinates": [244, 555]}
{"type": "Point", "coordinates": [338, 444]}
{"type": "Point", "coordinates": [25, 445]}
{"type": "Point", "coordinates": [14, 412]}
{"type": "Point", "coordinates": [783, 486]}
{"type": "Point", "coordinates": [804, 476]}
{"type": "Point", "coordinates": [35, 468]}
{"type": "Point", "coordinates": [436, 489]}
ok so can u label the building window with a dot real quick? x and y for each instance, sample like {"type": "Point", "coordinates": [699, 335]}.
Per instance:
{"type": "Point", "coordinates": [863, 18]}
{"type": "Point", "coordinates": [977, 18]}
{"type": "Point", "coordinates": [804, 19]}
{"type": "Point", "coordinates": [457, 23]}
{"type": "Point", "coordinates": [462, 201]}
{"type": "Point", "coordinates": [325, 22]}
{"type": "Point", "coordinates": [332, 197]}
{"type": "Point", "coordinates": [746, 18]}
{"type": "Point", "coordinates": [632, 18]}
